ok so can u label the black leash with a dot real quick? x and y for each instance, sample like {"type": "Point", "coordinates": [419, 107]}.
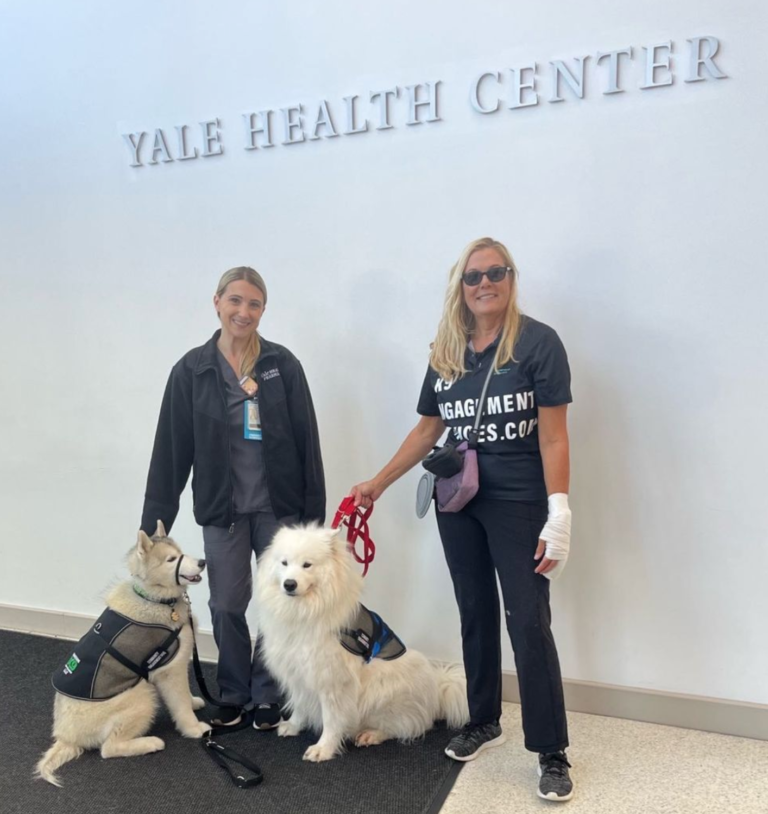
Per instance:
{"type": "Point", "coordinates": [222, 754]}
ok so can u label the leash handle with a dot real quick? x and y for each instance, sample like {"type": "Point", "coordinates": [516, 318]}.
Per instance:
{"type": "Point", "coordinates": [223, 753]}
{"type": "Point", "coordinates": [356, 521]}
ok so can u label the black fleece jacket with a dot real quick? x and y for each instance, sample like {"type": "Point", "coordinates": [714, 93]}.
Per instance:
{"type": "Point", "coordinates": [193, 434]}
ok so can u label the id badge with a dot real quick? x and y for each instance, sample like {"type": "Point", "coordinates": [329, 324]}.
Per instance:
{"type": "Point", "coordinates": [251, 420]}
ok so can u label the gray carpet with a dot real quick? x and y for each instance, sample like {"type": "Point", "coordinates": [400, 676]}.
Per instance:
{"type": "Point", "coordinates": [391, 778]}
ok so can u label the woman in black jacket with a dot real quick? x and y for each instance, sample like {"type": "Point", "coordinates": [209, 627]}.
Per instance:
{"type": "Point", "coordinates": [237, 412]}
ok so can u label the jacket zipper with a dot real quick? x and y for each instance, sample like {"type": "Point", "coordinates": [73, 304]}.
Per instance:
{"type": "Point", "coordinates": [264, 446]}
{"type": "Point", "coordinates": [229, 454]}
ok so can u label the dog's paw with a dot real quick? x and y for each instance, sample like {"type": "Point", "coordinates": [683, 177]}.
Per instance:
{"type": "Point", "coordinates": [199, 730]}
{"type": "Point", "coordinates": [318, 753]}
{"type": "Point", "coordinates": [155, 744]}
{"type": "Point", "coordinates": [287, 729]}
{"type": "Point", "coordinates": [197, 702]}
{"type": "Point", "coordinates": [370, 737]}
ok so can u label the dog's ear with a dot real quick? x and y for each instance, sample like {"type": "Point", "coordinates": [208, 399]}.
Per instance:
{"type": "Point", "coordinates": [143, 544]}
{"type": "Point", "coordinates": [332, 536]}
{"type": "Point", "coordinates": [160, 530]}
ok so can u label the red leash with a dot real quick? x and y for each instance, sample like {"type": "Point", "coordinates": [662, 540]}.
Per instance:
{"type": "Point", "coordinates": [356, 521]}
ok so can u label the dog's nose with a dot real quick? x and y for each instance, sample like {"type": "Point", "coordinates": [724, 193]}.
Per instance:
{"type": "Point", "coordinates": [290, 585]}
{"type": "Point", "coordinates": [201, 564]}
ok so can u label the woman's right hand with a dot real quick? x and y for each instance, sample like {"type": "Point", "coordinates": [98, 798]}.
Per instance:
{"type": "Point", "coordinates": [366, 493]}
{"type": "Point", "coordinates": [417, 444]}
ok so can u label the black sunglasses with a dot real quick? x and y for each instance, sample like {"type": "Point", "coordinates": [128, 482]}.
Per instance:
{"type": "Point", "coordinates": [495, 274]}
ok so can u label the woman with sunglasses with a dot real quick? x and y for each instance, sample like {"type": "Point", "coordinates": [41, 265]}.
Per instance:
{"type": "Point", "coordinates": [238, 411]}
{"type": "Point", "coordinates": [518, 525]}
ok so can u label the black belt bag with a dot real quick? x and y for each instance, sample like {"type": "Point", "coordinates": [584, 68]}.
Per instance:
{"type": "Point", "coordinates": [444, 462]}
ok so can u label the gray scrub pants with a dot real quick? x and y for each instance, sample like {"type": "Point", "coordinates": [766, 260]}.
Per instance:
{"type": "Point", "coordinates": [241, 675]}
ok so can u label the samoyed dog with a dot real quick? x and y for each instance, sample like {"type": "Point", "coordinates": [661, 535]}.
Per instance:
{"type": "Point", "coordinates": [102, 704]}
{"type": "Point", "coordinates": [308, 591]}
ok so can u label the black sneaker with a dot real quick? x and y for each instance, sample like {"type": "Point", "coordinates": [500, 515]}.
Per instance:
{"type": "Point", "coordinates": [555, 782]}
{"type": "Point", "coordinates": [228, 716]}
{"type": "Point", "coordinates": [266, 716]}
{"type": "Point", "coordinates": [472, 739]}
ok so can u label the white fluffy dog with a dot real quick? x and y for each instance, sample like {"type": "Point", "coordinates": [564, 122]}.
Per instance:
{"type": "Point", "coordinates": [153, 598]}
{"type": "Point", "coordinates": [308, 592]}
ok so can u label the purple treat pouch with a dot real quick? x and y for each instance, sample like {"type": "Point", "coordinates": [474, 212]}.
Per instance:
{"type": "Point", "coordinates": [454, 493]}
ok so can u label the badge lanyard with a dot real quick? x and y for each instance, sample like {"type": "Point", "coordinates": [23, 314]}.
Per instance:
{"type": "Point", "coordinates": [251, 414]}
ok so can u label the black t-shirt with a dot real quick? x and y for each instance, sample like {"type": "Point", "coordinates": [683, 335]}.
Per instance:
{"type": "Point", "coordinates": [509, 460]}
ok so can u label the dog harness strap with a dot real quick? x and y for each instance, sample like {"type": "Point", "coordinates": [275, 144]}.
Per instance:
{"type": "Point", "coordinates": [376, 642]}
{"type": "Point", "coordinates": [387, 645]}
{"type": "Point", "coordinates": [221, 754]}
{"type": "Point", "coordinates": [126, 662]}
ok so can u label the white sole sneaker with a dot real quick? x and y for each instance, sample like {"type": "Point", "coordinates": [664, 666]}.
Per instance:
{"type": "Point", "coordinates": [552, 797]}
{"type": "Point", "coordinates": [217, 722]}
{"type": "Point", "coordinates": [487, 745]}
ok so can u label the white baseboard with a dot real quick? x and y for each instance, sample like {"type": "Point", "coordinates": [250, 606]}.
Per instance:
{"type": "Point", "coordinates": [670, 709]}
{"type": "Point", "coordinates": [720, 715]}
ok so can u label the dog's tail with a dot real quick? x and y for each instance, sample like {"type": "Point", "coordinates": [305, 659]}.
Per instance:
{"type": "Point", "coordinates": [60, 753]}
{"type": "Point", "coordinates": [452, 686]}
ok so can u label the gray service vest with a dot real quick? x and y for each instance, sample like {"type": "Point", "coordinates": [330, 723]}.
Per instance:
{"type": "Point", "coordinates": [113, 656]}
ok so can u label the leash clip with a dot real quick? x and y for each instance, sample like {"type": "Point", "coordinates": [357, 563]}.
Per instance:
{"type": "Point", "coordinates": [346, 508]}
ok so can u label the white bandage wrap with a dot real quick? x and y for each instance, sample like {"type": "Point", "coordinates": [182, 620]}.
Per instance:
{"type": "Point", "coordinates": [557, 533]}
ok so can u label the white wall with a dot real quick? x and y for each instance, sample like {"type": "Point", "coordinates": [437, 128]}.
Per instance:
{"type": "Point", "coordinates": [637, 221]}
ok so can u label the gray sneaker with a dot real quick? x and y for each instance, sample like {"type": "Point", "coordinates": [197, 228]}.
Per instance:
{"type": "Point", "coordinates": [554, 780]}
{"type": "Point", "coordinates": [472, 739]}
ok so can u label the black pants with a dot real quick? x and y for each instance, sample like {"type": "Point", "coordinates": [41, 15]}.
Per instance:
{"type": "Point", "coordinates": [499, 536]}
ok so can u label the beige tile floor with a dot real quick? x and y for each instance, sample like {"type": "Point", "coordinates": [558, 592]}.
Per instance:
{"type": "Point", "coordinates": [620, 767]}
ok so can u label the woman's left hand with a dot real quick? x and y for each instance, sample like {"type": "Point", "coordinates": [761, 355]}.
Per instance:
{"type": "Point", "coordinates": [555, 539]}
{"type": "Point", "coordinates": [546, 564]}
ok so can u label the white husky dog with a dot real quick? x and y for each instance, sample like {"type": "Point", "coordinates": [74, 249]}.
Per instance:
{"type": "Point", "coordinates": [152, 598]}
{"type": "Point", "coordinates": [308, 591]}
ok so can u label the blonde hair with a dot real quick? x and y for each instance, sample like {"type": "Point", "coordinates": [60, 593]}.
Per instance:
{"type": "Point", "coordinates": [253, 349]}
{"type": "Point", "coordinates": [458, 323]}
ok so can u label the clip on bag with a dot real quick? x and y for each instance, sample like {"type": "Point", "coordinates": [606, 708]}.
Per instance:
{"type": "Point", "coordinates": [455, 467]}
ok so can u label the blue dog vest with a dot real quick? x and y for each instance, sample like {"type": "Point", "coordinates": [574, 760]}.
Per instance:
{"type": "Point", "coordinates": [113, 656]}
{"type": "Point", "coordinates": [371, 638]}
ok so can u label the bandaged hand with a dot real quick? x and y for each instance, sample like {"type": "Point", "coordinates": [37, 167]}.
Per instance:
{"type": "Point", "coordinates": [556, 533]}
